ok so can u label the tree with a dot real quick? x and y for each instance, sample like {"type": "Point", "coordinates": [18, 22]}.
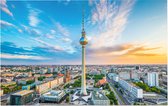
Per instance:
{"type": "Point", "coordinates": [41, 78]}
{"type": "Point", "coordinates": [111, 96]}
{"type": "Point", "coordinates": [154, 89]}
{"type": "Point", "coordinates": [29, 82]}
{"type": "Point", "coordinates": [67, 99]}
{"type": "Point", "coordinates": [147, 88]}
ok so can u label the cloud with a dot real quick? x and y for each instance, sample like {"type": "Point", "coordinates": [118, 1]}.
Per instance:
{"type": "Point", "coordinates": [51, 34]}
{"type": "Point", "coordinates": [32, 31]}
{"type": "Point", "coordinates": [33, 16]}
{"type": "Point", "coordinates": [66, 40]}
{"type": "Point", "coordinates": [11, 48]}
{"type": "Point", "coordinates": [11, 56]}
{"type": "Point", "coordinates": [55, 47]}
{"type": "Point", "coordinates": [5, 24]}
{"type": "Point", "coordinates": [52, 31]}
{"type": "Point", "coordinates": [142, 51]}
{"type": "Point", "coordinates": [4, 7]}
{"type": "Point", "coordinates": [124, 50]}
{"type": "Point", "coordinates": [62, 30]}
{"type": "Point", "coordinates": [110, 19]}
{"type": "Point", "coordinates": [90, 2]}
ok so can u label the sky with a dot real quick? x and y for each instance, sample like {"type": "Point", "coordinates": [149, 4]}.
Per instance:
{"type": "Point", "coordinates": [47, 32]}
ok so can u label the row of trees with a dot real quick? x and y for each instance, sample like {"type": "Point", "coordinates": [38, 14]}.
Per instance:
{"type": "Point", "coordinates": [76, 84]}
{"type": "Point", "coordinates": [41, 78]}
{"type": "Point", "coordinates": [30, 82]}
{"type": "Point", "coordinates": [98, 77]}
{"type": "Point", "coordinates": [111, 96]}
{"type": "Point", "coordinates": [147, 88]}
{"type": "Point", "coordinates": [9, 89]}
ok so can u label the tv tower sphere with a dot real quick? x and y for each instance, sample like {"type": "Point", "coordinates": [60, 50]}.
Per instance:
{"type": "Point", "coordinates": [83, 39]}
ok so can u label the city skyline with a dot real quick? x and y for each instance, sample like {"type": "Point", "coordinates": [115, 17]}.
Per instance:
{"type": "Point", "coordinates": [119, 32]}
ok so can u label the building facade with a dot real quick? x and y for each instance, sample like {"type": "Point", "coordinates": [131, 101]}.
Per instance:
{"type": "Point", "coordinates": [44, 87]}
{"type": "Point", "coordinates": [152, 79]}
{"type": "Point", "coordinates": [53, 96]}
{"type": "Point", "coordinates": [67, 77]}
{"type": "Point", "coordinates": [98, 98]}
{"type": "Point", "coordinates": [135, 92]}
{"type": "Point", "coordinates": [22, 98]}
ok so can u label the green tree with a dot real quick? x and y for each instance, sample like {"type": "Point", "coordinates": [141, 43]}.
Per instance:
{"type": "Point", "coordinates": [67, 99]}
{"type": "Point", "coordinates": [41, 78]}
{"type": "Point", "coordinates": [29, 82]}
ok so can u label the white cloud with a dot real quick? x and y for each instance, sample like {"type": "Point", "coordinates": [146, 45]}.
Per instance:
{"type": "Point", "coordinates": [52, 31]}
{"type": "Point", "coordinates": [11, 56]}
{"type": "Point", "coordinates": [66, 40]}
{"type": "Point", "coordinates": [4, 24]}
{"type": "Point", "coordinates": [19, 30]}
{"type": "Point", "coordinates": [111, 19]}
{"type": "Point", "coordinates": [4, 7]}
{"type": "Point", "coordinates": [55, 47]}
{"type": "Point", "coordinates": [69, 49]}
{"type": "Point", "coordinates": [62, 30]}
{"type": "Point", "coordinates": [32, 31]}
{"type": "Point", "coordinates": [50, 36]}
{"type": "Point", "coordinates": [33, 17]}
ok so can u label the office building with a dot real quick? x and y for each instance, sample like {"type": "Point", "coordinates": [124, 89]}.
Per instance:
{"type": "Point", "coordinates": [44, 87]}
{"type": "Point", "coordinates": [152, 79]}
{"type": "Point", "coordinates": [98, 98]}
{"type": "Point", "coordinates": [22, 97]}
{"type": "Point", "coordinates": [113, 76]}
{"type": "Point", "coordinates": [134, 91]}
{"type": "Point", "coordinates": [53, 96]}
{"type": "Point", "coordinates": [41, 88]}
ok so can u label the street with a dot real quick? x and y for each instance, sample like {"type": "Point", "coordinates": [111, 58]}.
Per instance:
{"type": "Point", "coordinates": [121, 100]}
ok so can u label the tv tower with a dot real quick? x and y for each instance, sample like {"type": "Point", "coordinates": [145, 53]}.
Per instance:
{"type": "Point", "coordinates": [83, 41]}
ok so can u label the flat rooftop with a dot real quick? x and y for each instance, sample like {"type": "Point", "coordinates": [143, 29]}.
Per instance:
{"type": "Point", "coordinates": [23, 92]}
{"type": "Point", "coordinates": [99, 96]}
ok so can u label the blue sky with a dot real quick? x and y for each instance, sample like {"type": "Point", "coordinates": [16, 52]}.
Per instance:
{"type": "Point", "coordinates": [48, 32]}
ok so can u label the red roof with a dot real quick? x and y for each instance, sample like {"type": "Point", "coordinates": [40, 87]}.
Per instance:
{"type": "Point", "coordinates": [102, 81]}
{"type": "Point", "coordinates": [59, 74]}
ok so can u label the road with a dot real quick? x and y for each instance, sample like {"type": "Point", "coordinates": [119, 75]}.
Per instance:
{"type": "Point", "coordinates": [121, 100]}
{"type": "Point", "coordinates": [116, 95]}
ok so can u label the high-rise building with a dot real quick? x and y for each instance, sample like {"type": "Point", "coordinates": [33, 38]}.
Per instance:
{"type": "Point", "coordinates": [152, 79]}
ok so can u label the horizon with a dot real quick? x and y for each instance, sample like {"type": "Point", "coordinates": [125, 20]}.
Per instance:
{"type": "Point", "coordinates": [71, 64]}
{"type": "Point", "coordinates": [119, 32]}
